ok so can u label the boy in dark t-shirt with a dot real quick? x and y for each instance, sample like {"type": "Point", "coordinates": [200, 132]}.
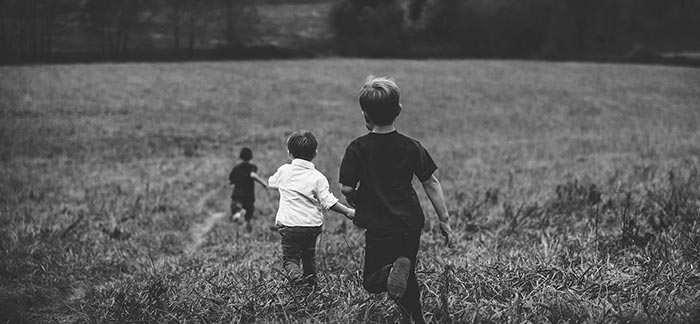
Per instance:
{"type": "Point", "coordinates": [243, 178]}
{"type": "Point", "coordinates": [376, 174]}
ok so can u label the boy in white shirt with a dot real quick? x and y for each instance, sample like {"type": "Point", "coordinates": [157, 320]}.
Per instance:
{"type": "Point", "coordinates": [304, 192]}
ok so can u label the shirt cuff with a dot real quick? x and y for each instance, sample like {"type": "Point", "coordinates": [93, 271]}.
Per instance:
{"type": "Point", "coordinates": [329, 201]}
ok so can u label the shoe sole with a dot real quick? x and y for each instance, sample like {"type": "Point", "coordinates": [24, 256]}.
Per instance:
{"type": "Point", "coordinates": [398, 278]}
{"type": "Point", "coordinates": [236, 218]}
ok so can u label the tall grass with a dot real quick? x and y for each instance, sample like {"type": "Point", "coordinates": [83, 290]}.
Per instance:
{"type": "Point", "coordinates": [573, 190]}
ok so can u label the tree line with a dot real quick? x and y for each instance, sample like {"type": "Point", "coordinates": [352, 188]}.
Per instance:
{"type": "Point", "coordinates": [108, 29]}
{"type": "Point", "coordinates": [515, 28]}
{"type": "Point", "coordinates": [31, 29]}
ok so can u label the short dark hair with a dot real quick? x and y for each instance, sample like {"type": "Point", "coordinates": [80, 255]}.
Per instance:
{"type": "Point", "coordinates": [379, 99]}
{"type": "Point", "coordinates": [246, 154]}
{"type": "Point", "coordinates": [302, 144]}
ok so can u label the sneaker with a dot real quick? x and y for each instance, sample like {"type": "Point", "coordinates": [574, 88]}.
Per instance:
{"type": "Point", "coordinates": [398, 278]}
{"type": "Point", "coordinates": [238, 216]}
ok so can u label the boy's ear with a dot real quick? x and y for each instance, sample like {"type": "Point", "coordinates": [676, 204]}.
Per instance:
{"type": "Point", "coordinates": [366, 117]}
{"type": "Point", "coordinates": [398, 110]}
{"type": "Point", "coordinates": [368, 122]}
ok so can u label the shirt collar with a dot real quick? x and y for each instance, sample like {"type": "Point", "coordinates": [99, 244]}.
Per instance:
{"type": "Point", "coordinates": [303, 163]}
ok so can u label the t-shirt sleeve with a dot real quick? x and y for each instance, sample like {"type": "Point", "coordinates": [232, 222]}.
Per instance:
{"type": "Point", "coordinates": [425, 166]}
{"type": "Point", "coordinates": [253, 168]}
{"type": "Point", "coordinates": [350, 168]}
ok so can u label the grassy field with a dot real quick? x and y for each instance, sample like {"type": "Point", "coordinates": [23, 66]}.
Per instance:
{"type": "Point", "coordinates": [573, 188]}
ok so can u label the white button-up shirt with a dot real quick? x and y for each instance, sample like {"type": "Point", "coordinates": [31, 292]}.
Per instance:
{"type": "Point", "coordinates": [304, 192]}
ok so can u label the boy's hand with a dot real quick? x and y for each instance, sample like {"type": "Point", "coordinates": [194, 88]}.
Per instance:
{"type": "Point", "coordinates": [446, 231]}
{"type": "Point", "coordinates": [350, 214]}
{"type": "Point", "coordinates": [349, 193]}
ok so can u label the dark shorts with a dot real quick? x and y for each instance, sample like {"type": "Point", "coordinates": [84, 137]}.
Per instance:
{"type": "Point", "coordinates": [248, 204]}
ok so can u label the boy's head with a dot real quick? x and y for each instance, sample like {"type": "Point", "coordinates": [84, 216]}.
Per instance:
{"type": "Point", "coordinates": [246, 154]}
{"type": "Point", "coordinates": [302, 144]}
{"type": "Point", "coordinates": [379, 100]}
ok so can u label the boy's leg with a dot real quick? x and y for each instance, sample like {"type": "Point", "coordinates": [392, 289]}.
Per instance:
{"type": "Point", "coordinates": [379, 258]}
{"type": "Point", "coordinates": [249, 208]}
{"type": "Point", "coordinates": [308, 255]}
{"type": "Point", "coordinates": [381, 251]}
{"type": "Point", "coordinates": [410, 304]}
{"type": "Point", "coordinates": [291, 253]}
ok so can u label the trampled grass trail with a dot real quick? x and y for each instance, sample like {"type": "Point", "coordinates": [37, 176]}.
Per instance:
{"type": "Point", "coordinates": [198, 234]}
{"type": "Point", "coordinates": [198, 231]}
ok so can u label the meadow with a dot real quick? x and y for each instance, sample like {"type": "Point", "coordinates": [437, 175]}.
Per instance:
{"type": "Point", "coordinates": [573, 188]}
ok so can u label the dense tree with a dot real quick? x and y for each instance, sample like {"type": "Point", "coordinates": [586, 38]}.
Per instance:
{"type": "Point", "coordinates": [176, 12]}
{"type": "Point", "coordinates": [369, 27]}
{"type": "Point", "coordinates": [3, 29]}
{"type": "Point", "coordinates": [240, 20]}
{"type": "Point", "coordinates": [415, 9]}
{"type": "Point", "coordinates": [186, 21]}
{"type": "Point", "coordinates": [195, 20]}
{"type": "Point", "coordinates": [560, 27]}
{"type": "Point", "coordinates": [28, 27]}
{"type": "Point", "coordinates": [115, 22]}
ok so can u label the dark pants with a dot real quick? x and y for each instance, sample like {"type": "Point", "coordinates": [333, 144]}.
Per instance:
{"type": "Point", "coordinates": [381, 250]}
{"type": "Point", "coordinates": [238, 203]}
{"type": "Point", "coordinates": [299, 245]}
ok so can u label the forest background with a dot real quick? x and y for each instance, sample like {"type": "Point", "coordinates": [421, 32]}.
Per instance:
{"type": "Point", "coordinates": [137, 30]}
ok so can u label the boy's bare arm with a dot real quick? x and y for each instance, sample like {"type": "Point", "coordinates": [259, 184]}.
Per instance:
{"type": "Point", "coordinates": [340, 208]}
{"type": "Point", "coordinates": [259, 180]}
{"type": "Point", "coordinates": [349, 193]}
{"type": "Point", "coordinates": [433, 189]}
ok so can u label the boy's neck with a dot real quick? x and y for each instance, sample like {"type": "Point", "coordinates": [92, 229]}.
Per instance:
{"type": "Point", "coordinates": [383, 129]}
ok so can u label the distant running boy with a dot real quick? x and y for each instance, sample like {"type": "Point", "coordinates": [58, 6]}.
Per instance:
{"type": "Point", "coordinates": [304, 192]}
{"type": "Point", "coordinates": [376, 174]}
{"type": "Point", "coordinates": [243, 177]}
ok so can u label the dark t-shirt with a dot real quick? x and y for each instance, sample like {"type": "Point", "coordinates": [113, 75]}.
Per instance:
{"type": "Point", "coordinates": [384, 166]}
{"type": "Point", "coordinates": [243, 184]}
